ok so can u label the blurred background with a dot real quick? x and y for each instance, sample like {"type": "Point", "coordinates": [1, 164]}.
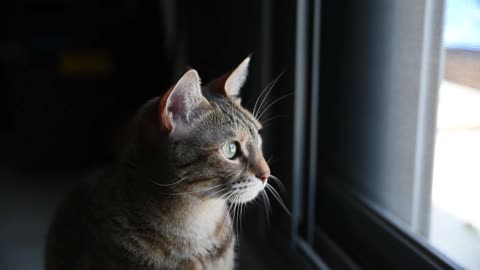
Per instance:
{"type": "Point", "coordinates": [73, 73]}
{"type": "Point", "coordinates": [373, 126]}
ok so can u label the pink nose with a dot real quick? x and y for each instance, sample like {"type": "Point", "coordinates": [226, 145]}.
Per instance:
{"type": "Point", "coordinates": [263, 171]}
{"type": "Point", "coordinates": [263, 177]}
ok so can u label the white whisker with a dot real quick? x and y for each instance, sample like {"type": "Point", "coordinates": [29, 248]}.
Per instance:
{"type": "Point", "coordinates": [264, 122]}
{"type": "Point", "coordinates": [195, 191]}
{"type": "Point", "coordinates": [279, 182]}
{"type": "Point", "coordinates": [267, 208]}
{"type": "Point", "coordinates": [168, 185]}
{"type": "Point", "coordinates": [266, 95]}
{"type": "Point", "coordinates": [259, 96]}
{"type": "Point", "coordinates": [216, 192]}
{"type": "Point", "coordinates": [271, 104]}
{"type": "Point", "coordinates": [224, 196]}
{"type": "Point", "coordinates": [237, 218]}
{"type": "Point", "coordinates": [242, 209]}
{"type": "Point", "coordinates": [277, 197]}
{"type": "Point", "coordinates": [267, 201]}
{"type": "Point", "coordinates": [232, 193]}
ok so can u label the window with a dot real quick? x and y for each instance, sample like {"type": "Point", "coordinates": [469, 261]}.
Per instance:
{"type": "Point", "coordinates": [455, 219]}
{"type": "Point", "coordinates": [367, 80]}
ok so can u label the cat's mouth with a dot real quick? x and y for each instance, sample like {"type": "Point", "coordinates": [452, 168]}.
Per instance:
{"type": "Point", "coordinates": [245, 190]}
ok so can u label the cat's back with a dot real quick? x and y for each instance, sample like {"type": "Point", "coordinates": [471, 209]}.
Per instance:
{"type": "Point", "coordinates": [70, 243]}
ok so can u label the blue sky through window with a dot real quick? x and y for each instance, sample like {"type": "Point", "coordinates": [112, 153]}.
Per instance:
{"type": "Point", "coordinates": [462, 25]}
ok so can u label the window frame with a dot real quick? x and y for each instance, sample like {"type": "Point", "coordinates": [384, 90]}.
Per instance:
{"type": "Point", "coordinates": [377, 239]}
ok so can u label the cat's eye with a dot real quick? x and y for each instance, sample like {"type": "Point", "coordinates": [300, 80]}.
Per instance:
{"type": "Point", "coordinates": [229, 150]}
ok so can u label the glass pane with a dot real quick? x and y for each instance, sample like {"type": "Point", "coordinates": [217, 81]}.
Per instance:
{"type": "Point", "coordinates": [455, 216]}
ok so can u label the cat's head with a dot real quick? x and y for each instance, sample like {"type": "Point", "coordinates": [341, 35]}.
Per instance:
{"type": "Point", "coordinates": [215, 145]}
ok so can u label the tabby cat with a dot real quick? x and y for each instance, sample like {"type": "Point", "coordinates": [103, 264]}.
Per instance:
{"type": "Point", "coordinates": [165, 203]}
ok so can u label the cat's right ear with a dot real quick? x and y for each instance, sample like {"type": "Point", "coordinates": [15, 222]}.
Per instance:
{"type": "Point", "coordinates": [230, 83]}
{"type": "Point", "coordinates": [180, 105]}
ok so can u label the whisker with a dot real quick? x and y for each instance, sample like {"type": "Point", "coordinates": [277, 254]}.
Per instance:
{"type": "Point", "coordinates": [271, 104]}
{"type": "Point", "coordinates": [182, 177]}
{"type": "Point", "coordinates": [264, 122]}
{"type": "Point", "coordinates": [279, 182]}
{"type": "Point", "coordinates": [243, 208]}
{"type": "Point", "coordinates": [168, 185]}
{"type": "Point", "coordinates": [195, 191]}
{"type": "Point", "coordinates": [228, 211]}
{"type": "Point", "coordinates": [261, 93]}
{"type": "Point", "coordinates": [278, 198]}
{"type": "Point", "coordinates": [216, 192]}
{"type": "Point", "coordinates": [225, 195]}
{"type": "Point", "coordinates": [269, 90]}
{"type": "Point", "coordinates": [234, 216]}
{"type": "Point", "coordinates": [266, 203]}
{"type": "Point", "coordinates": [237, 218]}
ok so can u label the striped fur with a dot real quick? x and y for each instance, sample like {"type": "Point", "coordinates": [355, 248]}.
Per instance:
{"type": "Point", "coordinates": [165, 203]}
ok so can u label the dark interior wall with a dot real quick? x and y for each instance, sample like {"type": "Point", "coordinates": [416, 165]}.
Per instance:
{"type": "Point", "coordinates": [54, 114]}
{"type": "Point", "coordinates": [279, 125]}
{"type": "Point", "coordinates": [220, 34]}
{"type": "Point", "coordinates": [67, 120]}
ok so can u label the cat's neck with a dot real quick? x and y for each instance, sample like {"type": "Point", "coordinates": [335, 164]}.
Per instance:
{"type": "Point", "coordinates": [190, 218]}
{"type": "Point", "coordinates": [181, 214]}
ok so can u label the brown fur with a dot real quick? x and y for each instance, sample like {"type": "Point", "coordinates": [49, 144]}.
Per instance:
{"type": "Point", "coordinates": [163, 205]}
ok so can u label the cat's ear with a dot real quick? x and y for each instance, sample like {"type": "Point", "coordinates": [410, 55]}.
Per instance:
{"type": "Point", "coordinates": [230, 83]}
{"type": "Point", "coordinates": [182, 103]}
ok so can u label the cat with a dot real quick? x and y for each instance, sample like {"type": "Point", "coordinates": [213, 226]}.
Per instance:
{"type": "Point", "coordinates": [164, 203]}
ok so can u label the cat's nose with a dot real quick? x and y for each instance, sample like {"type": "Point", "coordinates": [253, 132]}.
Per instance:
{"type": "Point", "coordinates": [263, 171]}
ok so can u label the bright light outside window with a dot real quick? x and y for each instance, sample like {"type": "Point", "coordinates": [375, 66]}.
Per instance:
{"type": "Point", "coordinates": [455, 219]}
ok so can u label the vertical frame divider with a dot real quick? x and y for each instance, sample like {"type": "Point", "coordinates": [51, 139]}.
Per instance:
{"type": "Point", "coordinates": [299, 115]}
{"type": "Point", "coordinates": [313, 143]}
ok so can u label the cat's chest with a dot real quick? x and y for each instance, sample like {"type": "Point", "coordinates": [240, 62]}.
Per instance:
{"type": "Point", "coordinates": [200, 230]}
{"type": "Point", "coordinates": [201, 233]}
{"type": "Point", "coordinates": [205, 239]}
{"type": "Point", "coordinates": [204, 221]}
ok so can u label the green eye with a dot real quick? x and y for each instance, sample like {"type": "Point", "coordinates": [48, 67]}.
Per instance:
{"type": "Point", "coordinates": [229, 150]}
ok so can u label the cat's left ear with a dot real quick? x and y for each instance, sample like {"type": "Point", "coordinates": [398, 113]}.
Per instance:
{"type": "Point", "coordinates": [230, 83]}
{"type": "Point", "coordinates": [182, 104]}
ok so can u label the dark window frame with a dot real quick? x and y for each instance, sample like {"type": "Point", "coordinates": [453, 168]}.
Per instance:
{"type": "Point", "coordinates": [376, 240]}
